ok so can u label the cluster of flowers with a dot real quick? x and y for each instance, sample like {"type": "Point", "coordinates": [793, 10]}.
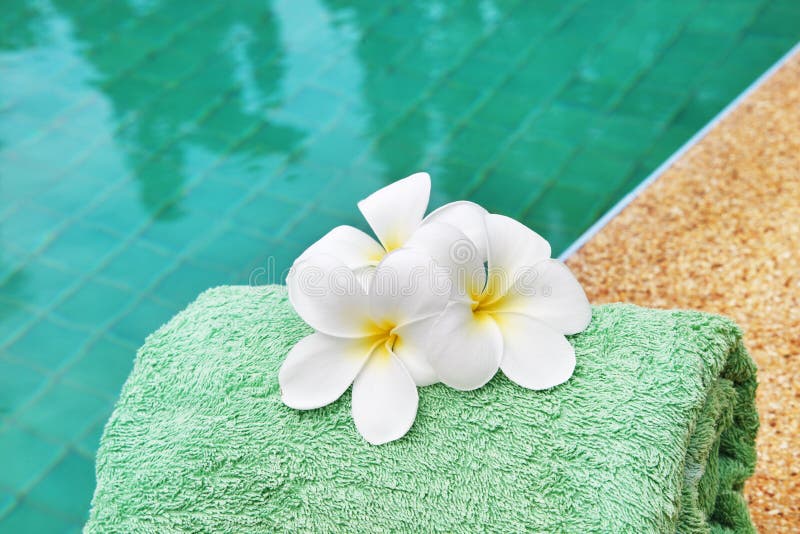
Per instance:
{"type": "Point", "coordinates": [450, 298]}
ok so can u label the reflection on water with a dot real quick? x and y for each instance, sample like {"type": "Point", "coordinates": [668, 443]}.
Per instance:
{"type": "Point", "coordinates": [151, 148]}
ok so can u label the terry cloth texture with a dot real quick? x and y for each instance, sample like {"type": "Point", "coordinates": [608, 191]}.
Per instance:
{"type": "Point", "coordinates": [653, 433]}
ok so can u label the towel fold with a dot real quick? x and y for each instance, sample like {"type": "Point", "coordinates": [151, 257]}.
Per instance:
{"type": "Point", "coordinates": [654, 433]}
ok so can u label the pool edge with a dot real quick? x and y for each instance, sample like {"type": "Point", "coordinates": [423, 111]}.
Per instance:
{"type": "Point", "coordinates": [598, 225]}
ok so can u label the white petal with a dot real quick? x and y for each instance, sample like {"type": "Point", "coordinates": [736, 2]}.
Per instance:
{"type": "Point", "coordinates": [411, 346]}
{"type": "Point", "coordinates": [365, 275]}
{"type": "Point", "coordinates": [349, 245]}
{"type": "Point", "coordinates": [384, 398]}
{"type": "Point", "coordinates": [512, 246]}
{"type": "Point", "coordinates": [534, 355]}
{"type": "Point", "coordinates": [549, 292]}
{"type": "Point", "coordinates": [407, 285]}
{"type": "Point", "coordinates": [329, 297]}
{"type": "Point", "coordinates": [395, 211]}
{"type": "Point", "coordinates": [465, 347]}
{"type": "Point", "coordinates": [467, 217]}
{"type": "Point", "coordinates": [456, 254]}
{"type": "Point", "coordinates": [319, 368]}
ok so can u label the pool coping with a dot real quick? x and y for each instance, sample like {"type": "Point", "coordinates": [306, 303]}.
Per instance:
{"type": "Point", "coordinates": [595, 228]}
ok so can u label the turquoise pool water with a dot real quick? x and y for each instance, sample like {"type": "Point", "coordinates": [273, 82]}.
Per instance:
{"type": "Point", "coordinates": [151, 149]}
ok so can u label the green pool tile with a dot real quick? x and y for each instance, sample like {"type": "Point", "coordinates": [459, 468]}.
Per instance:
{"type": "Point", "coordinates": [165, 65]}
{"type": "Point", "coordinates": [64, 198]}
{"type": "Point", "coordinates": [100, 167]}
{"type": "Point", "coordinates": [298, 184]}
{"type": "Point", "coordinates": [778, 19]}
{"type": "Point", "coordinates": [231, 118]}
{"type": "Point", "coordinates": [18, 383]}
{"type": "Point", "coordinates": [102, 367]}
{"type": "Point", "coordinates": [311, 108]}
{"type": "Point", "coordinates": [183, 112]}
{"type": "Point", "coordinates": [670, 141]}
{"type": "Point", "coordinates": [505, 110]}
{"type": "Point", "coordinates": [120, 212]}
{"type": "Point", "coordinates": [698, 108]}
{"type": "Point", "coordinates": [632, 135]}
{"type": "Point", "coordinates": [93, 304]}
{"type": "Point", "coordinates": [506, 194]}
{"type": "Point", "coordinates": [266, 213]}
{"type": "Point", "coordinates": [394, 148]}
{"type": "Point", "coordinates": [18, 469]}
{"type": "Point", "coordinates": [680, 66]}
{"type": "Point", "coordinates": [539, 85]}
{"type": "Point", "coordinates": [262, 151]}
{"type": "Point", "coordinates": [134, 91]}
{"type": "Point", "coordinates": [136, 266]}
{"type": "Point", "coordinates": [13, 317]}
{"type": "Point", "coordinates": [595, 171]}
{"type": "Point", "coordinates": [566, 125]}
{"type": "Point", "coordinates": [401, 90]}
{"type": "Point", "coordinates": [47, 344]}
{"type": "Point", "coordinates": [565, 206]}
{"type": "Point", "coordinates": [453, 99]}
{"type": "Point", "coordinates": [538, 154]}
{"type": "Point", "coordinates": [345, 190]}
{"type": "Point", "coordinates": [144, 318]}
{"type": "Point", "coordinates": [87, 445]}
{"type": "Point", "coordinates": [63, 412]}
{"type": "Point", "coordinates": [27, 518]}
{"type": "Point", "coordinates": [212, 194]}
{"type": "Point", "coordinates": [118, 56]}
{"type": "Point", "coordinates": [67, 488]}
{"type": "Point", "coordinates": [80, 247]}
{"type": "Point", "coordinates": [338, 144]}
{"type": "Point", "coordinates": [7, 502]}
{"type": "Point", "coordinates": [610, 148]}
{"type": "Point", "coordinates": [660, 106]}
{"type": "Point", "coordinates": [313, 226]}
{"type": "Point", "coordinates": [731, 17]}
{"type": "Point", "coordinates": [41, 106]}
{"type": "Point", "coordinates": [152, 151]}
{"type": "Point", "coordinates": [112, 17]}
{"type": "Point", "coordinates": [614, 67]}
{"type": "Point", "coordinates": [176, 231]}
{"type": "Point", "coordinates": [588, 94]}
{"type": "Point", "coordinates": [64, 144]}
{"type": "Point", "coordinates": [470, 145]}
{"type": "Point", "coordinates": [36, 284]}
{"type": "Point", "coordinates": [230, 248]}
{"type": "Point", "coordinates": [273, 268]}
{"type": "Point", "coordinates": [454, 178]}
{"type": "Point", "coordinates": [30, 227]}
{"type": "Point", "coordinates": [472, 73]}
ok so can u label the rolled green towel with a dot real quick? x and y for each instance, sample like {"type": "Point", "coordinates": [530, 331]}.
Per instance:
{"type": "Point", "coordinates": [653, 433]}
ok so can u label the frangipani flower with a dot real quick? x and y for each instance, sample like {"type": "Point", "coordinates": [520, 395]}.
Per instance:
{"type": "Point", "coordinates": [395, 213]}
{"type": "Point", "coordinates": [374, 340]}
{"type": "Point", "coordinates": [515, 318]}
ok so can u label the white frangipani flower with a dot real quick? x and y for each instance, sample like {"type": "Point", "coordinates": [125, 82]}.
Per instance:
{"type": "Point", "coordinates": [374, 340]}
{"type": "Point", "coordinates": [450, 297]}
{"type": "Point", "coordinates": [515, 319]}
{"type": "Point", "coordinates": [396, 215]}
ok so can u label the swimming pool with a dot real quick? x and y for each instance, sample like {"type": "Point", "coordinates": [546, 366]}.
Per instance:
{"type": "Point", "coordinates": [151, 149]}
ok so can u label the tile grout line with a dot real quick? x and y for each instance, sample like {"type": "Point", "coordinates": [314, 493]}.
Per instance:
{"type": "Point", "coordinates": [661, 169]}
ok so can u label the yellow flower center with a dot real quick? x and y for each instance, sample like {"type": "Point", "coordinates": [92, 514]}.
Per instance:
{"type": "Point", "coordinates": [382, 334]}
{"type": "Point", "coordinates": [488, 300]}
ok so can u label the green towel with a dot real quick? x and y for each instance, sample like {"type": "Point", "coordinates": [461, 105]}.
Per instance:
{"type": "Point", "coordinates": [653, 433]}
